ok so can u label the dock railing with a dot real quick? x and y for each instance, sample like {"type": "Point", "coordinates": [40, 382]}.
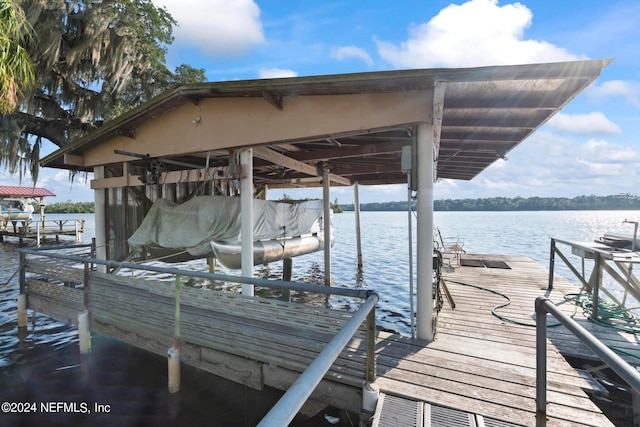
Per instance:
{"type": "Point", "coordinates": [290, 403]}
{"type": "Point", "coordinates": [623, 259]}
{"type": "Point", "coordinates": [39, 228]}
{"type": "Point", "coordinates": [616, 363]}
{"type": "Point", "coordinates": [298, 393]}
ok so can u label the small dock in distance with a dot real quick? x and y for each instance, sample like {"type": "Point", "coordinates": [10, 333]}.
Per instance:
{"type": "Point", "coordinates": [16, 216]}
{"type": "Point", "coordinates": [479, 367]}
{"type": "Point", "coordinates": [39, 230]}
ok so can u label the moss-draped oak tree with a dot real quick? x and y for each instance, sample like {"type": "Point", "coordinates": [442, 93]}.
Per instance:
{"type": "Point", "coordinates": [93, 60]}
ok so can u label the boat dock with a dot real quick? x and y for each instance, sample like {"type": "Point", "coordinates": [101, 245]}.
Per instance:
{"type": "Point", "coordinates": [39, 230]}
{"type": "Point", "coordinates": [479, 367]}
{"type": "Point", "coordinates": [16, 216]}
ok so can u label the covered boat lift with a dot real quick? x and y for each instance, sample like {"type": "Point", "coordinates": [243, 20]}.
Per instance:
{"type": "Point", "coordinates": [225, 138]}
{"type": "Point", "coordinates": [16, 216]}
{"type": "Point", "coordinates": [344, 130]}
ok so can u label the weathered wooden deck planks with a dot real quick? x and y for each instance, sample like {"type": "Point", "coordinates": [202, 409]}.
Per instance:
{"type": "Point", "coordinates": [481, 364]}
{"type": "Point", "coordinates": [478, 363]}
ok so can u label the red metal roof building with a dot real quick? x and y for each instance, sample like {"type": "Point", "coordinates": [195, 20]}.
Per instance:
{"type": "Point", "coordinates": [15, 191]}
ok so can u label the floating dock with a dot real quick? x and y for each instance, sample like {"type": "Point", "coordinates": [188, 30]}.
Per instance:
{"type": "Point", "coordinates": [480, 367]}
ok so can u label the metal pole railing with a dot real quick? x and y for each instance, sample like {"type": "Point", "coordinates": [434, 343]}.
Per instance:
{"type": "Point", "coordinates": [268, 283]}
{"type": "Point", "coordinates": [290, 403]}
{"type": "Point", "coordinates": [616, 363]}
{"type": "Point", "coordinates": [552, 262]}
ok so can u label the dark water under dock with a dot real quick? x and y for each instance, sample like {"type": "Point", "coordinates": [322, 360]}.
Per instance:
{"type": "Point", "coordinates": [123, 386]}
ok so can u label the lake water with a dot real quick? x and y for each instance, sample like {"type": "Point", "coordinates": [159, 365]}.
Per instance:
{"type": "Point", "coordinates": [46, 367]}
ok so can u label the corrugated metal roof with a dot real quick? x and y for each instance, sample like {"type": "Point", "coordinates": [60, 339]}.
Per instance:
{"type": "Point", "coordinates": [15, 191]}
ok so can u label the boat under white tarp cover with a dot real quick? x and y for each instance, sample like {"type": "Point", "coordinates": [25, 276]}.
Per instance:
{"type": "Point", "coordinates": [209, 226]}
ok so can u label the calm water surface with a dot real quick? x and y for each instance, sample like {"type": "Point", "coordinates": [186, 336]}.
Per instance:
{"type": "Point", "coordinates": [46, 367]}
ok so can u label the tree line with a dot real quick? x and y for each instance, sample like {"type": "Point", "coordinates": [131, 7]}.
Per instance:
{"type": "Point", "coordinates": [592, 202]}
{"type": "Point", "coordinates": [612, 202]}
{"type": "Point", "coordinates": [66, 207]}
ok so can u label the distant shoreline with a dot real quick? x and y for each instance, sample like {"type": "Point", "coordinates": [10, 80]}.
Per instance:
{"type": "Point", "coordinates": [499, 204]}
{"type": "Point", "coordinates": [492, 204]}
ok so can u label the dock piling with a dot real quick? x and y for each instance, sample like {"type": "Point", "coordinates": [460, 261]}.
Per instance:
{"type": "Point", "coordinates": [173, 355]}
{"type": "Point", "coordinates": [84, 333]}
{"type": "Point", "coordinates": [23, 319]}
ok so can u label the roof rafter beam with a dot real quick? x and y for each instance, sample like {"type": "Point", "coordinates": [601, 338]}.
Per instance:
{"type": "Point", "coordinates": [276, 158]}
{"type": "Point", "coordinates": [275, 100]}
{"type": "Point", "coordinates": [346, 152]}
{"type": "Point", "coordinates": [126, 132]}
{"type": "Point", "coordinates": [190, 98]}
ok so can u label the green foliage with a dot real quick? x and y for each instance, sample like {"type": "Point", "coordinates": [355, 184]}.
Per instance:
{"type": "Point", "coordinates": [335, 206]}
{"type": "Point", "coordinates": [592, 202]}
{"type": "Point", "coordinates": [187, 74]}
{"type": "Point", "coordinates": [16, 68]}
{"type": "Point", "coordinates": [93, 60]}
{"type": "Point", "coordinates": [66, 207]}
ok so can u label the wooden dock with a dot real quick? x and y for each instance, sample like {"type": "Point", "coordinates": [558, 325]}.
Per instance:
{"type": "Point", "coordinates": [478, 364]}
{"type": "Point", "coordinates": [38, 230]}
{"type": "Point", "coordinates": [483, 365]}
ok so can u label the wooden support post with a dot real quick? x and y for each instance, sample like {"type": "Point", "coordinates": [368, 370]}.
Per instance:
{"type": "Point", "coordinates": [100, 201]}
{"type": "Point", "coordinates": [287, 267]}
{"type": "Point", "coordinates": [211, 262]}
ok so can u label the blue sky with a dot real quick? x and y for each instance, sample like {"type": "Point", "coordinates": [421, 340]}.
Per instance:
{"type": "Point", "coordinates": [591, 147]}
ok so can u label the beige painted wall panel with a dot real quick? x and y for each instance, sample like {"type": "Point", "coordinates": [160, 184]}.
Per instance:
{"type": "Point", "coordinates": [238, 122]}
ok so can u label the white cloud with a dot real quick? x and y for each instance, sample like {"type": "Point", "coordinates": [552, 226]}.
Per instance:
{"type": "Point", "coordinates": [475, 33]}
{"type": "Point", "coordinates": [227, 28]}
{"type": "Point", "coordinates": [274, 73]}
{"type": "Point", "coordinates": [602, 169]}
{"type": "Point", "coordinates": [57, 181]}
{"type": "Point", "coordinates": [346, 52]}
{"type": "Point", "coordinates": [584, 124]}
{"type": "Point", "coordinates": [604, 152]}
{"type": "Point", "coordinates": [629, 90]}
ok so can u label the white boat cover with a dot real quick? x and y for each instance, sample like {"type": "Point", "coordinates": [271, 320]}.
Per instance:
{"type": "Point", "coordinates": [190, 226]}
